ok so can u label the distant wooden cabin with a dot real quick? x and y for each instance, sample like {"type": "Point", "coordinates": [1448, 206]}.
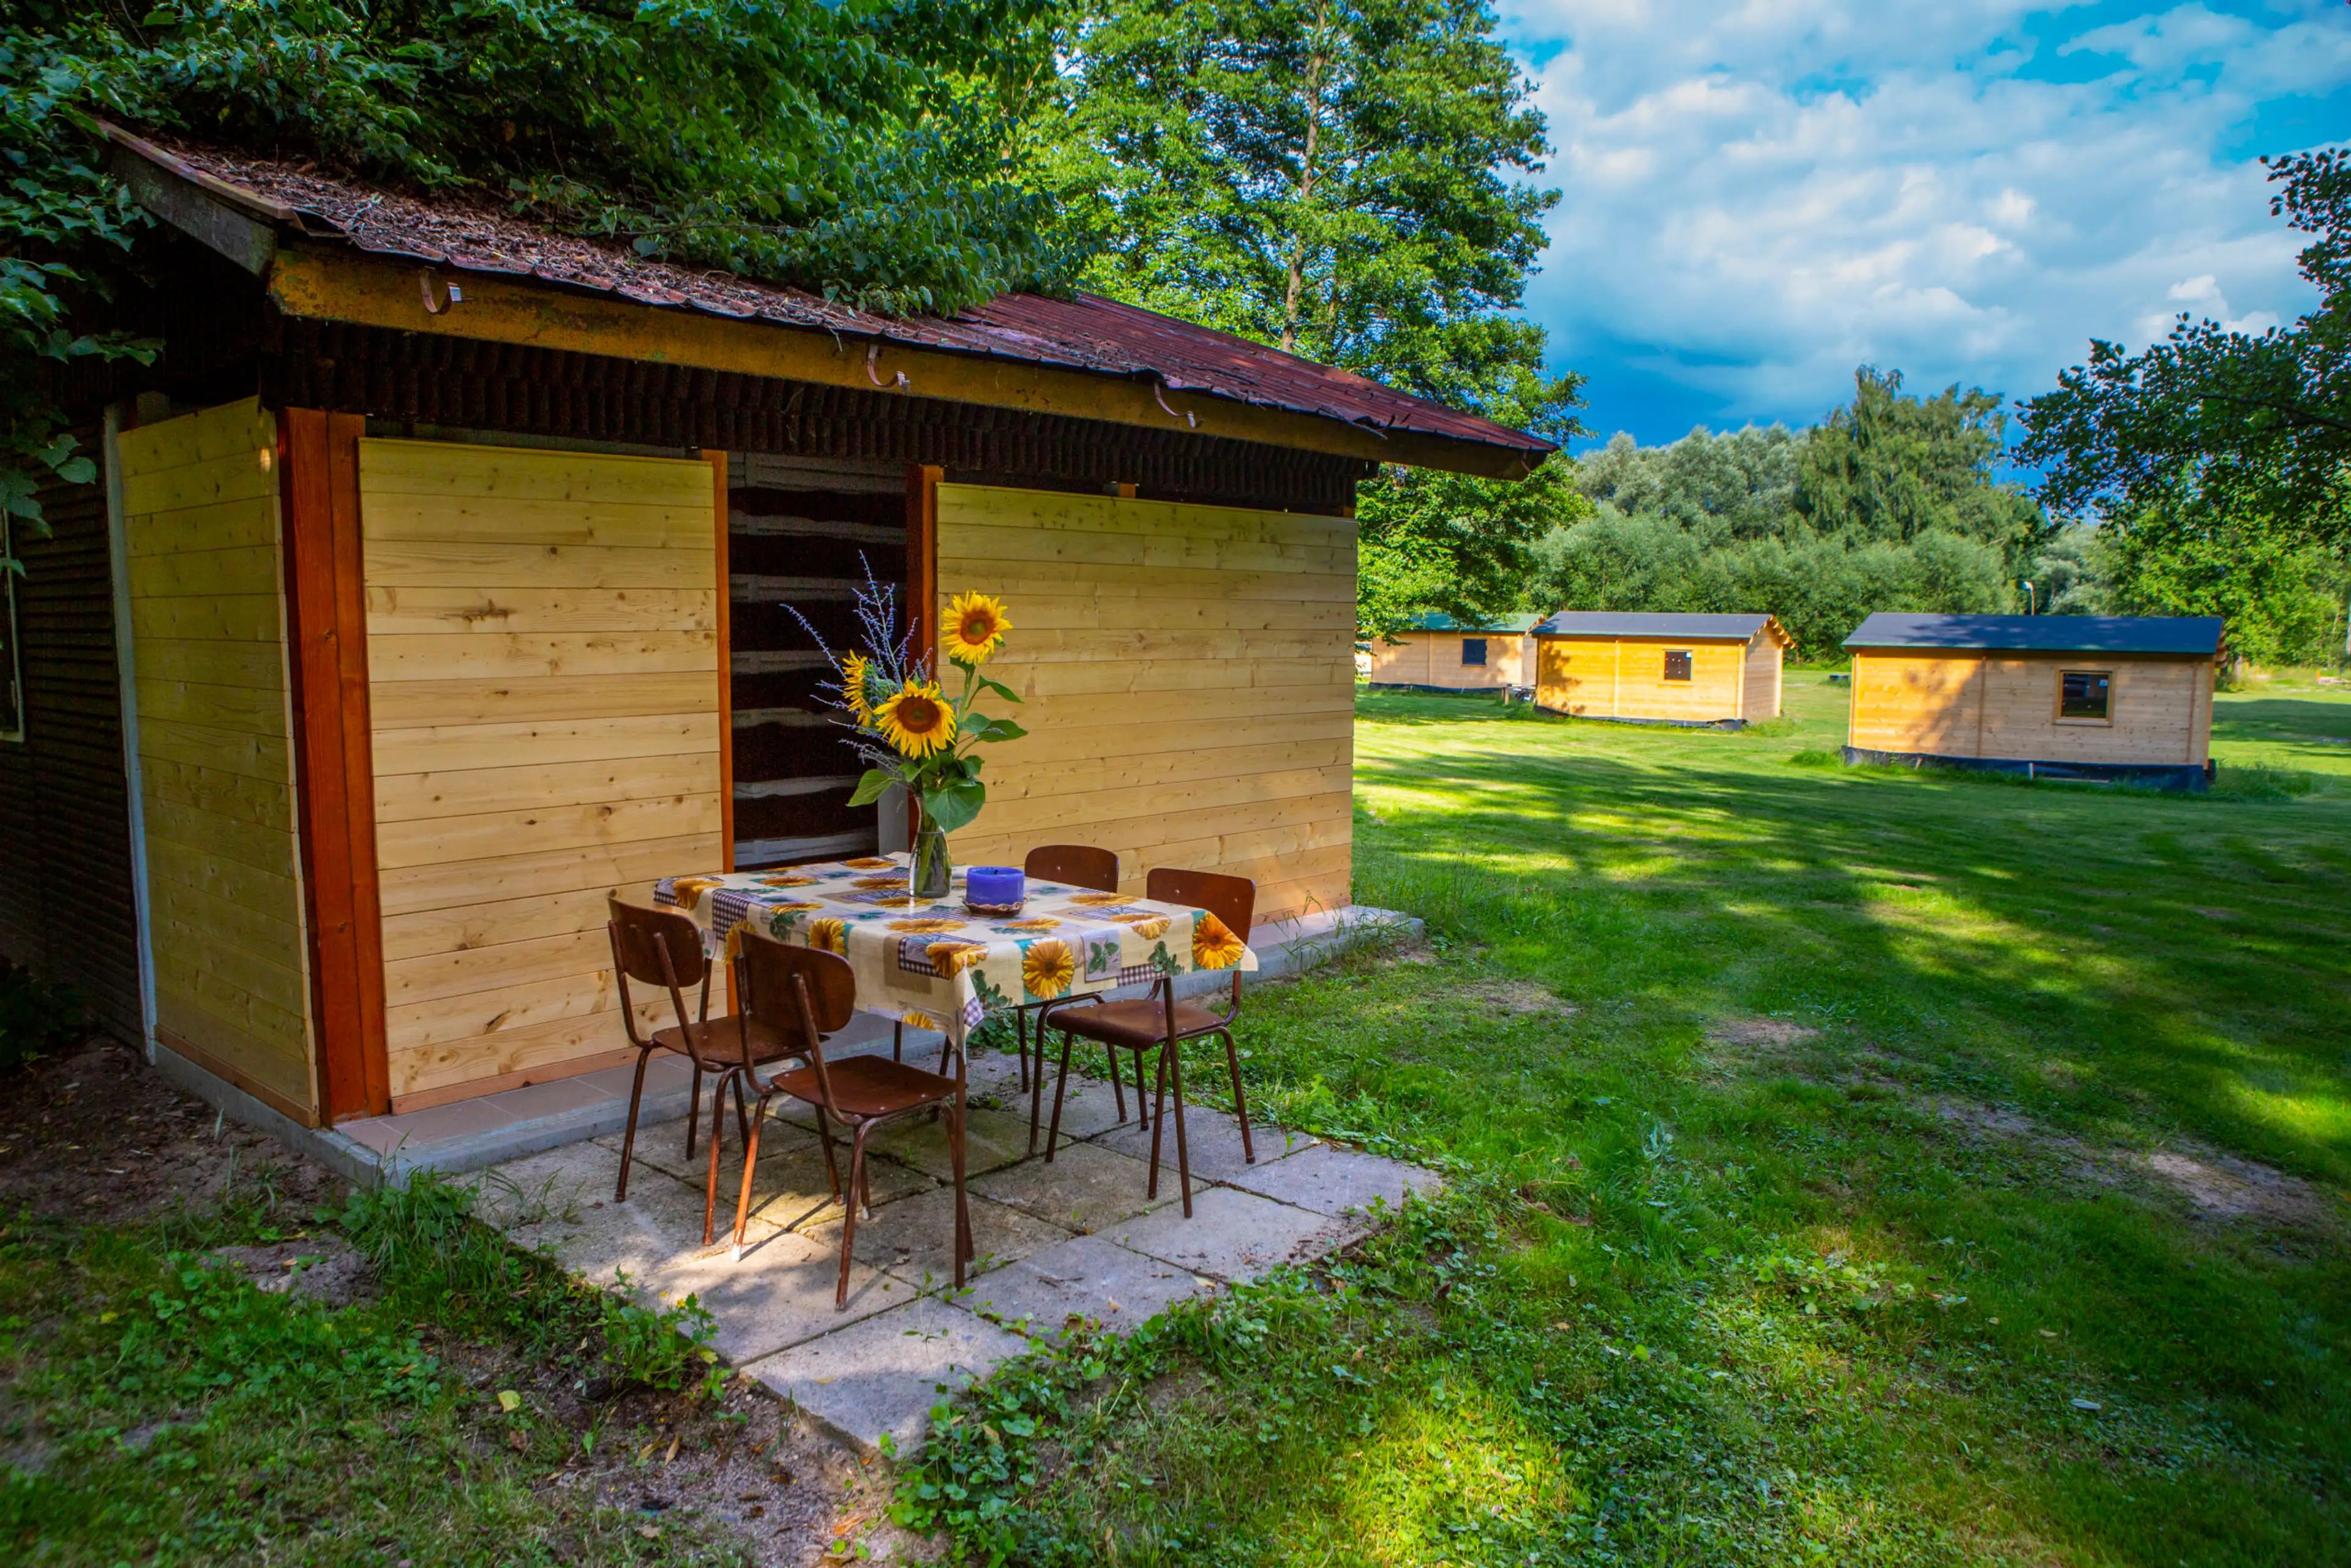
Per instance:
{"type": "Point", "coordinates": [2071, 696]}
{"type": "Point", "coordinates": [1660, 668]}
{"type": "Point", "coordinates": [441, 581]}
{"type": "Point", "coordinates": [1439, 653]}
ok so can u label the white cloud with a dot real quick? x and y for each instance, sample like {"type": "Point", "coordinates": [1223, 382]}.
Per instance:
{"type": "Point", "coordinates": [1769, 193]}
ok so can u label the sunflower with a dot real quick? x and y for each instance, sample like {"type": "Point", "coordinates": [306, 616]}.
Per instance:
{"type": "Point", "coordinates": [688, 889]}
{"type": "Point", "coordinates": [880, 884]}
{"type": "Point", "coordinates": [952, 958]}
{"type": "Point", "coordinates": [829, 935]}
{"type": "Point", "coordinates": [787, 881]}
{"type": "Point", "coordinates": [1214, 945]}
{"type": "Point", "coordinates": [976, 625]}
{"type": "Point", "coordinates": [916, 720]}
{"type": "Point", "coordinates": [1035, 923]}
{"type": "Point", "coordinates": [1046, 967]}
{"type": "Point", "coordinates": [1146, 926]}
{"type": "Point", "coordinates": [1097, 900]}
{"type": "Point", "coordinates": [854, 668]}
{"type": "Point", "coordinates": [926, 927]}
{"type": "Point", "coordinates": [913, 1020]}
{"type": "Point", "coordinates": [870, 862]}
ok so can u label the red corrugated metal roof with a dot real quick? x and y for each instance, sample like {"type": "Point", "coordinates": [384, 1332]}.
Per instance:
{"type": "Point", "coordinates": [1085, 333]}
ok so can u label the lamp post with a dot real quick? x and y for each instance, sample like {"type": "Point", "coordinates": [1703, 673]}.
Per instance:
{"type": "Point", "coordinates": [2028, 595]}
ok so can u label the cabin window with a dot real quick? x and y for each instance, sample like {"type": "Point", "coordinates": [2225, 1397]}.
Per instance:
{"type": "Point", "coordinates": [12, 681]}
{"type": "Point", "coordinates": [1677, 664]}
{"type": "Point", "coordinates": [2084, 695]}
{"type": "Point", "coordinates": [1473, 650]}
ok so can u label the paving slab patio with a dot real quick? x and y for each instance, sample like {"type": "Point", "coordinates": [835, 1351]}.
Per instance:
{"type": "Point", "coordinates": [1075, 1237]}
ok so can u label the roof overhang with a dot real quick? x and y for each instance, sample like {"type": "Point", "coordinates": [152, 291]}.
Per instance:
{"type": "Point", "coordinates": [314, 274]}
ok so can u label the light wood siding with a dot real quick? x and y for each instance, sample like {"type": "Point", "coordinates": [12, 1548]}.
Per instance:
{"type": "Point", "coordinates": [1188, 678]}
{"type": "Point", "coordinates": [1624, 677]}
{"type": "Point", "coordinates": [543, 675]}
{"type": "Point", "coordinates": [201, 523]}
{"type": "Point", "coordinates": [2005, 707]}
{"type": "Point", "coordinates": [1760, 700]}
{"type": "Point", "coordinates": [1434, 659]}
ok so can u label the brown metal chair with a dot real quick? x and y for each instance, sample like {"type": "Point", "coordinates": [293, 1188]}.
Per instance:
{"type": "Point", "coordinates": [663, 947]}
{"type": "Point", "coordinates": [1073, 865]}
{"type": "Point", "coordinates": [805, 994]}
{"type": "Point", "coordinates": [1159, 1021]}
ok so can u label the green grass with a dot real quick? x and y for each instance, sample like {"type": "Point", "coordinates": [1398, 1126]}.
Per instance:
{"type": "Point", "coordinates": [1822, 1143]}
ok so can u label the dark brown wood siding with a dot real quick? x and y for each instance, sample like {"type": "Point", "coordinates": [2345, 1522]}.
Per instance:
{"type": "Point", "coordinates": [66, 906]}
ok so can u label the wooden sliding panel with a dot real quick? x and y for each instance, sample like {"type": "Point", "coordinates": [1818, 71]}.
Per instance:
{"type": "Point", "coordinates": [1187, 676]}
{"type": "Point", "coordinates": [543, 658]}
{"type": "Point", "coordinates": [203, 524]}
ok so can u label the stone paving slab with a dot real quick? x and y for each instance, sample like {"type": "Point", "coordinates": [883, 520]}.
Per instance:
{"type": "Point", "coordinates": [1084, 1188]}
{"type": "Point", "coordinates": [562, 1201]}
{"type": "Point", "coordinates": [1231, 1235]}
{"type": "Point", "coordinates": [1086, 1277]}
{"type": "Point", "coordinates": [992, 1140]}
{"type": "Point", "coordinates": [915, 1237]}
{"type": "Point", "coordinates": [792, 1191]}
{"type": "Point", "coordinates": [1212, 1139]}
{"type": "Point", "coordinates": [1334, 1181]}
{"type": "Point", "coordinates": [883, 1375]}
{"type": "Point", "coordinates": [779, 1293]}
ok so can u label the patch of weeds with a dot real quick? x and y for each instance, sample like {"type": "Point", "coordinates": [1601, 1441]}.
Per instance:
{"type": "Point", "coordinates": [1772, 728]}
{"type": "Point", "coordinates": [1813, 757]}
{"type": "Point", "coordinates": [2260, 782]}
{"type": "Point", "coordinates": [37, 1018]}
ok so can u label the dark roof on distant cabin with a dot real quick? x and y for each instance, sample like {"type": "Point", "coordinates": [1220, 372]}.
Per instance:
{"type": "Point", "coordinates": [1628, 623]}
{"type": "Point", "coordinates": [1437, 621]}
{"type": "Point", "coordinates": [2188, 635]}
{"type": "Point", "coordinates": [472, 234]}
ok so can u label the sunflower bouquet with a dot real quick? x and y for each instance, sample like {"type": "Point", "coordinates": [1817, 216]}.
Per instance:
{"type": "Point", "coordinates": [909, 732]}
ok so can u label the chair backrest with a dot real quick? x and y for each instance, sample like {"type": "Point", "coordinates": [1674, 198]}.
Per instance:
{"type": "Point", "coordinates": [639, 935]}
{"type": "Point", "coordinates": [1078, 866]}
{"type": "Point", "coordinates": [773, 976]}
{"type": "Point", "coordinates": [1231, 899]}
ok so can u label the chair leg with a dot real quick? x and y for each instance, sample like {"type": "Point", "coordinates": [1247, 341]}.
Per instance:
{"type": "Point", "coordinates": [849, 1220]}
{"type": "Point", "coordinates": [1118, 1084]}
{"type": "Point", "coordinates": [1240, 1101]}
{"type": "Point", "coordinates": [963, 1245]}
{"type": "Point", "coordinates": [1183, 1160]}
{"type": "Point", "coordinates": [710, 1185]}
{"type": "Point", "coordinates": [1036, 1086]}
{"type": "Point", "coordinates": [898, 1040]}
{"type": "Point", "coordinates": [750, 1165]}
{"type": "Point", "coordinates": [1021, 1023]}
{"type": "Point", "coordinates": [831, 1167]}
{"type": "Point", "coordinates": [692, 1108]}
{"type": "Point", "coordinates": [1053, 1137]}
{"type": "Point", "coordinates": [629, 1138]}
{"type": "Point", "coordinates": [742, 1122]}
{"type": "Point", "coordinates": [1158, 1122]}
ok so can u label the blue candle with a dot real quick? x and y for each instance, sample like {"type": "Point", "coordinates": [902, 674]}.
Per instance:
{"type": "Point", "coordinates": [995, 884]}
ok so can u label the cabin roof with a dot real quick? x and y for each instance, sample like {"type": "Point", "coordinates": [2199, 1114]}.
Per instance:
{"type": "Point", "coordinates": [2187, 635]}
{"type": "Point", "coordinates": [1631, 624]}
{"type": "Point", "coordinates": [1085, 333]}
{"type": "Point", "coordinates": [1437, 621]}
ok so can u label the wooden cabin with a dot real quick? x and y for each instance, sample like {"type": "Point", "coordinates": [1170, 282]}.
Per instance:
{"type": "Point", "coordinates": [448, 574]}
{"type": "Point", "coordinates": [1690, 669]}
{"type": "Point", "coordinates": [2071, 696]}
{"type": "Point", "coordinates": [1438, 654]}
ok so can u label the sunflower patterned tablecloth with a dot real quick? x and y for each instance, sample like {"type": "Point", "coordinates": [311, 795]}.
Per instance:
{"type": "Point", "coordinates": [937, 966]}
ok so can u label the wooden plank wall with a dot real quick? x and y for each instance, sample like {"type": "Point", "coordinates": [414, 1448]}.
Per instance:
{"type": "Point", "coordinates": [1969, 704]}
{"type": "Point", "coordinates": [1930, 703]}
{"type": "Point", "coordinates": [1596, 677]}
{"type": "Point", "coordinates": [544, 686]}
{"type": "Point", "coordinates": [1434, 659]}
{"type": "Point", "coordinates": [1187, 676]}
{"type": "Point", "coordinates": [64, 815]}
{"type": "Point", "coordinates": [1760, 700]}
{"type": "Point", "coordinates": [203, 524]}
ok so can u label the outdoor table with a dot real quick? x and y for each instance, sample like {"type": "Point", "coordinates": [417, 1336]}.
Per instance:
{"type": "Point", "coordinates": [936, 965]}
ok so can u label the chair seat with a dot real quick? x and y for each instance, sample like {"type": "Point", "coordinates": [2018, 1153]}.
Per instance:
{"type": "Point", "coordinates": [868, 1086]}
{"type": "Point", "coordinates": [717, 1045]}
{"type": "Point", "coordinates": [1134, 1024]}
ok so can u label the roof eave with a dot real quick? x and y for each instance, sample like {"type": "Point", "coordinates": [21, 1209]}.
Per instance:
{"type": "Point", "coordinates": [323, 277]}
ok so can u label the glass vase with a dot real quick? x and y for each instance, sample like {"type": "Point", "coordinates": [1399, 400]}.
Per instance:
{"type": "Point", "coordinates": [934, 869]}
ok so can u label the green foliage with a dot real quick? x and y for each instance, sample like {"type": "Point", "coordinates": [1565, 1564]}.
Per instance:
{"type": "Point", "coordinates": [1887, 468]}
{"type": "Point", "coordinates": [2253, 428]}
{"type": "Point", "coordinates": [37, 1018]}
{"type": "Point", "coordinates": [1890, 504]}
{"type": "Point", "coordinates": [1344, 179]}
{"type": "Point", "coordinates": [853, 147]}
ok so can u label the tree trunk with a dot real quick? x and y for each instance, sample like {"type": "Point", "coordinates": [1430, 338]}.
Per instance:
{"type": "Point", "coordinates": [1316, 64]}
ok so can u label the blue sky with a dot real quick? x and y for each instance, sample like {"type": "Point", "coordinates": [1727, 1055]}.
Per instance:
{"type": "Point", "coordinates": [1760, 194]}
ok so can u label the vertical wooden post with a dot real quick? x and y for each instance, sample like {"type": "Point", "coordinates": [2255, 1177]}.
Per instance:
{"type": "Point", "coordinates": [334, 756]}
{"type": "Point", "coordinates": [717, 461]}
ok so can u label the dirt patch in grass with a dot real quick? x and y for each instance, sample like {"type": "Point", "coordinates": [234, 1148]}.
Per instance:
{"type": "Point", "coordinates": [323, 1268]}
{"type": "Point", "coordinates": [2225, 1187]}
{"type": "Point", "coordinates": [1760, 1036]}
{"type": "Point", "coordinates": [1518, 997]}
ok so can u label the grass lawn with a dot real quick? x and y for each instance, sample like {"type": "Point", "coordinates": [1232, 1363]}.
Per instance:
{"type": "Point", "coordinates": [1851, 1167]}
